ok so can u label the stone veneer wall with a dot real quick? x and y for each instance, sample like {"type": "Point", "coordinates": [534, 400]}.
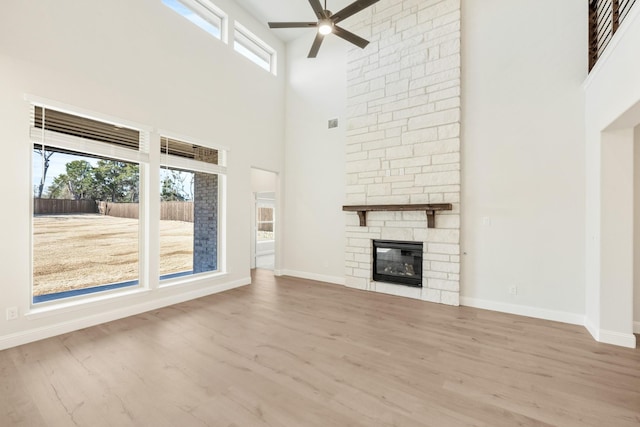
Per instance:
{"type": "Point", "coordinates": [403, 139]}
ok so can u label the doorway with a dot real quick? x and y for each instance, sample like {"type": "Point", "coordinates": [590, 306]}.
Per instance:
{"type": "Point", "coordinates": [263, 218]}
{"type": "Point", "coordinates": [265, 231]}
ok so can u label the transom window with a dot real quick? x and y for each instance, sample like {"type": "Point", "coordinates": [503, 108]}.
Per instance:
{"type": "Point", "coordinates": [213, 20]}
{"type": "Point", "coordinates": [250, 46]}
{"type": "Point", "coordinates": [202, 13]}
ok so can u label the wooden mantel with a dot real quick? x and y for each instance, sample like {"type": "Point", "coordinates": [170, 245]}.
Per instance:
{"type": "Point", "coordinates": [429, 208]}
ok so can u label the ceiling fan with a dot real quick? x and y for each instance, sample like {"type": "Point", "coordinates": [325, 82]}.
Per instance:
{"type": "Point", "coordinates": [327, 23]}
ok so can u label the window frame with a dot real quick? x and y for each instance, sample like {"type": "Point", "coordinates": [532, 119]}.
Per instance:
{"type": "Point", "coordinates": [209, 12]}
{"type": "Point", "coordinates": [255, 49]}
{"type": "Point", "coordinates": [98, 149]}
{"type": "Point", "coordinates": [172, 161]}
{"type": "Point", "coordinates": [266, 204]}
{"type": "Point", "coordinates": [148, 159]}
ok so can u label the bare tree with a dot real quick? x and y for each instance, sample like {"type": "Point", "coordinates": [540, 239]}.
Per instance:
{"type": "Point", "coordinates": [46, 155]}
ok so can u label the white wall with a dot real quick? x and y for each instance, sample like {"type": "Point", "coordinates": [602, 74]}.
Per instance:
{"type": "Point", "coordinates": [636, 230]}
{"type": "Point", "coordinates": [612, 96]}
{"type": "Point", "coordinates": [315, 160]}
{"type": "Point", "coordinates": [263, 181]}
{"type": "Point", "coordinates": [138, 61]}
{"type": "Point", "coordinates": [616, 232]}
{"type": "Point", "coordinates": [523, 156]}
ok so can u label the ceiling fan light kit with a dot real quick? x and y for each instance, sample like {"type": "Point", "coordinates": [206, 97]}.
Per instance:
{"type": "Point", "coordinates": [327, 24]}
{"type": "Point", "coordinates": [325, 27]}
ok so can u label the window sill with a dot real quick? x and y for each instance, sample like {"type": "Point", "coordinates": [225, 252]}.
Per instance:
{"type": "Point", "coordinates": [61, 307]}
{"type": "Point", "coordinates": [64, 307]}
{"type": "Point", "coordinates": [190, 279]}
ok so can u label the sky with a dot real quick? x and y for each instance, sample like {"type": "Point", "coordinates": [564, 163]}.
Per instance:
{"type": "Point", "coordinates": [57, 166]}
{"type": "Point", "coordinates": [193, 17]}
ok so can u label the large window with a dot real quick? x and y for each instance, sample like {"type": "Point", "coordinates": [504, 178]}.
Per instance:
{"type": "Point", "coordinates": [86, 189]}
{"type": "Point", "coordinates": [189, 206]}
{"type": "Point", "coordinates": [250, 46]}
{"type": "Point", "coordinates": [92, 207]}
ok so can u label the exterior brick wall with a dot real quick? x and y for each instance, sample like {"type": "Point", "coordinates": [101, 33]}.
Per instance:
{"type": "Point", "coordinates": [403, 139]}
{"type": "Point", "coordinates": [205, 216]}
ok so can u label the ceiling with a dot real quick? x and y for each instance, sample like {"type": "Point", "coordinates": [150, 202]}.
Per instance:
{"type": "Point", "coordinates": [288, 10]}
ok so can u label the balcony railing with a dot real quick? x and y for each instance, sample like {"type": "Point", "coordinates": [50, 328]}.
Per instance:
{"type": "Point", "coordinates": [605, 17]}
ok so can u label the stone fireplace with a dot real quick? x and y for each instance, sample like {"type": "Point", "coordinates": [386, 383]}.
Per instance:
{"type": "Point", "coordinates": [403, 142]}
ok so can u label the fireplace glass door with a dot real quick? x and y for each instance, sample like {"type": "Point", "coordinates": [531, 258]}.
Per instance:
{"type": "Point", "coordinates": [397, 262]}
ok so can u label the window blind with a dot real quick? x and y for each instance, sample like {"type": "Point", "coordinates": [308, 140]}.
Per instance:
{"type": "Point", "coordinates": [187, 150]}
{"type": "Point", "coordinates": [69, 124]}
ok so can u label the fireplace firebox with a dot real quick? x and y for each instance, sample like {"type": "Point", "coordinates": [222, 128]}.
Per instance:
{"type": "Point", "coordinates": [397, 262]}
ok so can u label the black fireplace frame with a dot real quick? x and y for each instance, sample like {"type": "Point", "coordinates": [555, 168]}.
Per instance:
{"type": "Point", "coordinates": [398, 280]}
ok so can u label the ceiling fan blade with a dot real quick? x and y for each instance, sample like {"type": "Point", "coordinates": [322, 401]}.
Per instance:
{"type": "Point", "coordinates": [352, 9]}
{"type": "Point", "coordinates": [318, 9]}
{"type": "Point", "coordinates": [315, 47]}
{"type": "Point", "coordinates": [350, 37]}
{"type": "Point", "coordinates": [292, 24]}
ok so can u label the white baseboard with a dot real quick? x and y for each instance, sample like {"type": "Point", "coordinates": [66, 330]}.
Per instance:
{"type": "Point", "coordinates": [600, 335]}
{"type": "Point", "coordinates": [595, 332]}
{"type": "Point", "coordinates": [617, 338]}
{"type": "Point", "coordinates": [312, 276]}
{"type": "Point", "coordinates": [36, 334]}
{"type": "Point", "coordinates": [523, 310]}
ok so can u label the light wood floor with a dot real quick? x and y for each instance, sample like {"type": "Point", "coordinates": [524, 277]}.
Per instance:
{"type": "Point", "coordinates": [289, 352]}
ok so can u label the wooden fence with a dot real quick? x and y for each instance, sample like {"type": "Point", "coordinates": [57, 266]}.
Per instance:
{"type": "Point", "coordinates": [120, 210]}
{"type": "Point", "coordinates": [170, 211]}
{"type": "Point", "coordinates": [176, 211]}
{"type": "Point", "coordinates": [62, 206]}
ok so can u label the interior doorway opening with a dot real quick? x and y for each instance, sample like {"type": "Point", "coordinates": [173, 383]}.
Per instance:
{"type": "Point", "coordinates": [263, 218]}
